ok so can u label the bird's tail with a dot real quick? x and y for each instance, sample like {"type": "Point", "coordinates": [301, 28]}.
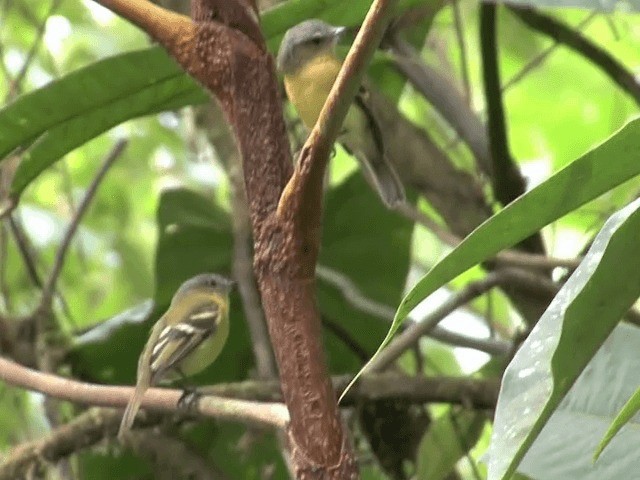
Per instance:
{"type": "Point", "coordinates": [132, 409]}
{"type": "Point", "coordinates": [384, 179]}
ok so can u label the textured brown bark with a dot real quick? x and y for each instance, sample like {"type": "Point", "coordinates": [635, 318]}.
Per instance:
{"type": "Point", "coordinates": [224, 50]}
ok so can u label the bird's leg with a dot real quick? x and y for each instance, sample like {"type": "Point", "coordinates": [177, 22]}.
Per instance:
{"type": "Point", "coordinates": [190, 397]}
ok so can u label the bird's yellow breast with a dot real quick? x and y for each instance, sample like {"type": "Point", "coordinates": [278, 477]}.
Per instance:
{"type": "Point", "coordinates": [309, 86]}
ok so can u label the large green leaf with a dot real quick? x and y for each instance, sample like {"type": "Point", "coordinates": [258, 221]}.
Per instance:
{"type": "Point", "coordinates": [569, 333]}
{"type": "Point", "coordinates": [114, 83]}
{"type": "Point", "coordinates": [607, 381]}
{"type": "Point", "coordinates": [598, 171]}
{"type": "Point", "coordinates": [276, 21]}
{"type": "Point", "coordinates": [194, 237]}
{"type": "Point", "coordinates": [69, 134]}
{"type": "Point", "coordinates": [356, 229]}
{"type": "Point", "coordinates": [66, 113]}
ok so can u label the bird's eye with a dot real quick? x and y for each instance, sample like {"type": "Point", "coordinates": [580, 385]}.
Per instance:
{"type": "Point", "coordinates": [213, 283]}
{"type": "Point", "coordinates": [316, 40]}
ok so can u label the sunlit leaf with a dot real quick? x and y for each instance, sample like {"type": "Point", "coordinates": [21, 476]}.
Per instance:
{"type": "Point", "coordinates": [569, 333]}
{"type": "Point", "coordinates": [591, 175]}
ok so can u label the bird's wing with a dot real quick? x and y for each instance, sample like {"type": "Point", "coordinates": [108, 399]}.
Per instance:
{"type": "Point", "coordinates": [176, 342]}
{"type": "Point", "coordinates": [362, 100]}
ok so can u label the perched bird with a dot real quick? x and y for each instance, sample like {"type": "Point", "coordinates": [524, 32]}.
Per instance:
{"type": "Point", "coordinates": [185, 340]}
{"type": "Point", "coordinates": [310, 66]}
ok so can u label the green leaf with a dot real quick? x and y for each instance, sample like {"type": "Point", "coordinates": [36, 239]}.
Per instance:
{"type": "Point", "coordinates": [569, 333]}
{"type": "Point", "coordinates": [118, 80]}
{"type": "Point", "coordinates": [628, 411]}
{"type": "Point", "coordinates": [68, 112]}
{"type": "Point", "coordinates": [603, 387]}
{"type": "Point", "coordinates": [70, 134]}
{"type": "Point", "coordinates": [276, 21]}
{"type": "Point", "coordinates": [356, 227]}
{"type": "Point", "coordinates": [448, 439]}
{"type": "Point", "coordinates": [598, 171]}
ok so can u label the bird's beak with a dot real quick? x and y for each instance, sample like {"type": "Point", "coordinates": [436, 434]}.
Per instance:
{"type": "Point", "coordinates": [338, 32]}
{"type": "Point", "coordinates": [229, 284]}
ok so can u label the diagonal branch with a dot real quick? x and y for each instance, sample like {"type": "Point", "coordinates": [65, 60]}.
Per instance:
{"type": "Point", "coordinates": [50, 285]}
{"type": "Point", "coordinates": [569, 37]}
{"type": "Point", "coordinates": [303, 194]}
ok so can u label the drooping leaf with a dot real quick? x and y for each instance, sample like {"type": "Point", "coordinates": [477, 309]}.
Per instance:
{"type": "Point", "coordinates": [566, 443]}
{"type": "Point", "coordinates": [596, 172]}
{"type": "Point", "coordinates": [569, 333]}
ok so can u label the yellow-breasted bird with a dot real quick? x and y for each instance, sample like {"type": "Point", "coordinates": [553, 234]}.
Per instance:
{"type": "Point", "coordinates": [185, 340]}
{"type": "Point", "coordinates": [310, 66]}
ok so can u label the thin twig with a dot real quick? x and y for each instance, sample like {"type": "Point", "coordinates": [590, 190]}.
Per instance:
{"type": "Point", "coordinates": [345, 337]}
{"type": "Point", "coordinates": [352, 293]}
{"type": "Point", "coordinates": [572, 39]}
{"type": "Point", "coordinates": [489, 346]}
{"type": "Point", "coordinates": [464, 444]}
{"type": "Point", "coordinates": [26, 252]}
{"type": "Point", "coordinates": [15, 87]}
{"type": "Point", "coordinates": [171, 456]}
{"type": "Point", "coordinates": [462, 45]}
{"type": "Point", "coordinates": [406, 339]}
{"type": "Point", "coordinates": [447, 101]}
{"type": "Point", "coordinates": [507, 258]}
{"type": "Point", "coordinates": [245, 277]}
{"type": "Point", "coordinates": [4, 291]}
{"type": "Point", "coordinates": [50, 286]}
{"type": "Point", "coordinates": [385, 386]}
{"type": "Point", "coordinates": [306, 184]}
{"type": "Point", "coordinates": [538, 59]}
{"type": "Point", "coordinates": [359, 301]}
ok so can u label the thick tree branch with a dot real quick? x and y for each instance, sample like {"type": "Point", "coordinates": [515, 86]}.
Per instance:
{"type": "Point", "coordinates": [224, 50]}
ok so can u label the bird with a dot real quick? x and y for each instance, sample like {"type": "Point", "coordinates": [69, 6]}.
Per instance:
{"type": "Point", "coordinates": [308, 61]}
{"type": "Point", "coordinates": [186, 339]}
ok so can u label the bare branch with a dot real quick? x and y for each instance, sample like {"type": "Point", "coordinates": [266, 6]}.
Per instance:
{"type": "Point", "coordinates": [17, 80]}
{"type": "Point", "coordinates": [49, 287]}
{"type": "Point", "coordinates": [385, 386]}
{"type": "Point", "coordinates": [83, 431]}
{"type": "Point", "coordinates": [537, 61]}
{"type": "Point", "coordinates": [406, 339]}
{"type": "Point", "coordinates": [574, 40]}
{"type": "Point", "coordinates": [160, 399]}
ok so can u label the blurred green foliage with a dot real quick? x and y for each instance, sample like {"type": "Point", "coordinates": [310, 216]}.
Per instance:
{"type": "Point", "coordinates": [160, 215]}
